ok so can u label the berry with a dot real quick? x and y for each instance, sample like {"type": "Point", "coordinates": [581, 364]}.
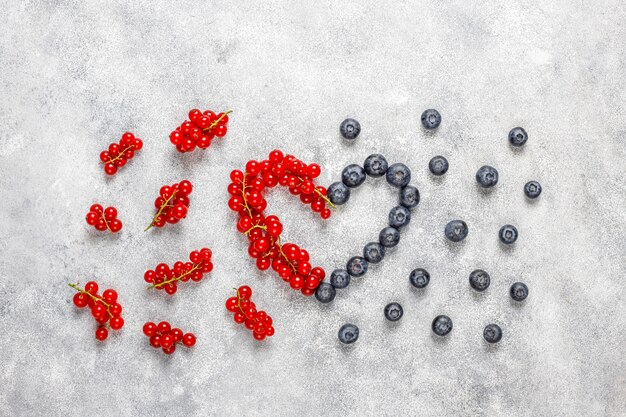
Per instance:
{"type": "Point", "coordinates": [102, 333]}
{"type": "Point", "coordinates": [517, 137]}
{"type": "Point", "coordinates": [353, 175]}
{"type": "Point", "coordinates": [350, 129]}
{"type": "Point", "coordinates": [165, 278]}
{"type": "Point", "coordinates": [393, 312]}
{"type": "Point", "coordinates": [104, 308]}
{"type": "Point", "coordinates": [487, 176]}
{"type": "Point", "coordinates": [442, 325]}
{"type": "Point", "coordinates": [409, 197]}
{"type": "Point", "coordinates": [338, 193]}
{"type": "Point", "coordinates": [374, 252]}
{"type": "Point", "coordinates": [389, 237]}
{"type": "Point", "coordinates": [492, 333]}
{"type": "Point", "coordinates": [348, 334]}
{"type": "Point", "coordinates": [340, 278]}
{"type": "Point", "coordinates": [171, 204]}
{"type": "Point", "coordinates": [104, 219]}
{"type": "Point", "coordinates": [456, 230]}
{"type": "Point", "coordinates": [399, 217]}
{"type": "Point", "coordinates": [165, 337]}
{"type": "Point", "coordinates": [149, 329]}
{"type": "Point", "coordinates": [357, 266]}
{"type": "Point", "coordinates": [245, 312]}
{"type": "Point", "coordinates": [508, 234]}
{"type": "Point", "coordinates": [398, 175]}
{"type": "Point", "coordinates": [189, 339]}
{"type": "Point", "coordinates": [419, 278]}
{"type": "Point", "coordinates": [199, 130]}
{"type": "Point", "coordinates": [431, 119]}
{"type": "Point", "coordinates": [438, 165]}
{"type": "Point", "coordinates": [532, 189]}
{"type": "Point", "coordinates": [519, 291]}
{"type": "Point", "coordinates": [479, 280]}
{"type": "Point", "coordinates": [119, 153]}
{"type": "Point", "coordinates": [375, 165]}
{"type": "Point", "coordinates": [325, 293]}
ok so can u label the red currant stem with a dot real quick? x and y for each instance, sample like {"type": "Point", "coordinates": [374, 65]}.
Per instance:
{"type": "Point", "coordinates": [243, 195]}
{"type": "Point", "coordinates": [195, 268]}
{"type": "Point", "coordinates": [256, 226]}
{"type": "Point", "coordinates": [119, 155]}
{"type": "Point", "coordinates": [80, 290]}
{"type": "Point", "coordinates": [106, 222]}
{"type": "Point", "coordinates": [239, 297]}
{"type": "Point", "coordinates": [318, 192]}
{"type": "Point", "coordinates": [160, 211]}
{"type": "Point", "coordinates": [215, 123]}
{"type": "Point", "coordinates": [280, 249]}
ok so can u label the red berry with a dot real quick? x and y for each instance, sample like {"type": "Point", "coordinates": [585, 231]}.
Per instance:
{"type": "Point", "coordinates": [101, 333]}
{"type": "Point", "coordinates": [80, 300]}
{"type": "Point", "coordinates": [164, 327]}
{"type": "Point", "coordinates": [91, 287]}
{"type": "Point", "coordinates": [117, 323]}
{"type": "Point", "coordinates": [189, 339]}
{"type": "Point", "coordinates": [109, 296]}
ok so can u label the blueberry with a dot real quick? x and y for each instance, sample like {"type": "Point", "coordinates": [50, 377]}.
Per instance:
{"type": "Point", "coordinates": [375, 165]}
{"type": "Point", "coordinates": [393, 312]}
{"type": "Point", "coordinates": [350, 129]}
{"type": "Point", "coordinates": [348, 333]}
{"type": "Point", "coordinates": [409, 196]}
{"type": "Point", "coordinates": [487, 176]}
{"type": "Point", "coordinates": [374, 252]}
{"type": "Point", "coordinates": [431, 119]}
{"type": "Point", "coordinates": [519, 291]}
{"type": "Point", "coordinates": [508, 234]}
{"type": "Point", "coordinates": [325, 293]}
{"type": "Point", "coordinates": [442, 325]}
{"type": "Point", "coordinates": [389, 237]}
{"type": "Point", "coordinates": [419, 278]}
{"type": "Point", "coordinates": [353, 175]}
{"type": "Point", "coordinates": [398, 175]}
{"type": "Point", "coordinates": [479, 280]}
{"type": "Point", "coordinates": [532, 189]}
{"type": "Point", "coordinates": [338, 193]}
{"type": "Point", "coordinates": [357, 266]}
{"type": "Point", "coordinates": [399, 216]}
{"type": "Point", "coordinates": [518, 136]}
{"type": "Point", "coordinates": [492, 333]}
{"type": "Point", "coordinates": [340, 278]}
{"type": "Point", "coordinates": [438, 165]}
{"type": "Point", "coordinates": [456, 230]}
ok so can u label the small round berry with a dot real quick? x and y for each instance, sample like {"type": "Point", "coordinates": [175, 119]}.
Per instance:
{"type": "Point", "coordinates": [115, 309]}
{"type": "Point", "coordinates": [164, 327]}
{"type": "Point", "coordinates": [348, 333]}
{"type": "Point", "coordinates": [508, 234]}
{"type": "Point", "coordinates": [115, 225]}
{"type": "Point", "coordinates": [532, 189]}
{"type": "Point", "coordinates": [487, 176]}
{"type": "Point", "coordinates": [96, 208]}
{"type": "Point", "coordinates": [350, 129]}
{"type": "Point", "coordinates": [91, 287]}
{"type": "Point", "coordinates": [492, 333]}
{"type": "Point", "coordinates": [409, 196]}
{"type": "Point", "coordinates": [102, 333]}
{"type": "Point", "coordinates": [92, 218]}
{"type": "Point", "coordinates": [353, 175]}
{"type": "Point", "coordinates": [442, 325]}
{"type": "Point", "coordinates": [80, 300]}
{"type": "Point", "coordinates": [419, 278]}
{"type": "Point", "coordinates": [456, 230]}
{"type": "Point", "coordinates": [357, 266]}
{"type": "Point", "coordinates": [389, 237]}
{"type": "Point", "coordinates": [338, 193]}
{"type": "Point", "coordinates": [168, 350]}
{"type": "Point", "coordinates": [519, 291]}
{"type": "Point", "coordinates": [431, 119]}
{"type": "Point", "coordinates": [399, 217]}
{"type": "Point", "coordinates": [109, 296]}
{"type": "Point", "coordinates": [374, 252]}
{"type": "Point", "coordinates": [110, 169]}
{"type": "Point", "coordinates": [393, 311]}
{"type": "Point", "coordinates": [398, 175]}
{"type": "Point", "coordinates": [375, 165]}
{"type": "Point", "coordinates": [189, 339]}
{"type": "Point", "coordinates": [438, 165]}
{"type": "Point", "coordinates": [155, 341]}
{"type": "Point", "coordinates": [517, 137]}
{"type": "Point", "coordinates": [340, 278]}
{"type": "Point", "coordinates": [110, 213]}
{"type": "Point", "coordinates": [150, 329]}
{"type": "Point", "coordinates": [117, 323]}
{"type": "Point", "coordinates": [167, 341]}
{"type": "Point", "coordinates": [325, 293]}
{"type": "Point", "coordinates": [479, 280]}
{"type": "Point", "coordinates": [185, 187]}
{"type": "Point", "coordinates": [245, 291]}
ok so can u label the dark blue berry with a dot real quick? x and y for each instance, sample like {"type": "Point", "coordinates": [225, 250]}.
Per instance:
{"type": "Point", "coordinates": [492, 333]}
{"type": "Point", "coordinates": [374, 252]}
{"type": "Point", "coordinates": [398, 175]}
{"type": "Point", "coordinates": [338, 193]}
{"type": "Point", "coordinates": [350, 129]}
{"type": "Point", "coordinates": [479, 280]}
{"type": "Point", "coordinates": [409, 196]}
{"type": "Point", "coordinates": [393, 312]}
{"type": "Point", "coordinates": [348, 333]}
{"type": "Point", "coordinates": [431, 119]}
{"type": "Point", "coordinates": [487, 176]}
{"type": "Point", "coordinates": [399, 216]}
{"type": "Point", "coordinates": [325, 293]}
{"type": "Point", "coordinates": [438, 165]}
{"type": "Point", "coordinates": [357, 266]}
{"type": "Point", "coordinates": [375, 165]}
{"type": "Point", "coordinates": [508, 234]}
{"type": "Point", "coordinates": [532, 189]}
{"type": "Point", "coordinates": [456, 230]}
{"type": "Point", "coordinates": [442, 325]}
{"type": "Point", "coordinates": [518, 136]}
{"type": "Point", "coordinates": [340, 278]}
{"type": "Point", "coordinates": [519, 291]}
{"type": "Point", "coordinates": [419, 278]}
{"type": "Point", "coordinates": [389, 237]}
{"type": "Point", "coordinates": [353, 175]}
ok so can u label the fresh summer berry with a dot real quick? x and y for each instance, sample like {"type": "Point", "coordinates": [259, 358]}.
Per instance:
{"type": "Point", "coordinates": [338, 193]}
{"type": "Point", "coordinates": [393, 311]}
{"type": "Point", "coordinates": [357, 266]}
{"type": "Point", "coordinates": [438, 165]}
{"type": "Point", "coordinates": [374, 252]}
{"type": "Point", "coordinates": [389, 237]}
{"type": "Point", "coordinates": [199, 130]}
{"type": "Point", "coordinates": [532, 189]}
{"type": "Point", "coordinates": [348, 333]}
{"type": "Point", "coordinates": [167, 278]}
{"type": "Point", "coordinates": [508, 234]}
{"type": "Point", "coordinates": [409, 197]}
{"type": "Point", "coordinates": [171, 204]}
{"type": "Point", "coordinates": [350, 129]}
{"type": "Point", "coordinates": [245, 312]}
{"type": "Point", "coordinates": [419, 278]}
{"type": "Point", "coordinates": [353, 175]}
{"type": "Point", "coordinates": [340, 278]}
{"type": "Point", "coordinates": [104, 219]}
{"type": "Point", "coordinates": [519, 291]}
{"type": "Point", "coordinates": [487, 176]}
{"type": "Point", "coordinates": [375, 165]}
{"type": "Point", "coordinates": [325, 293]}
{"type": "Point", "coordinates": [399, 217]}
{"type": "Point", "coordinates": [165, 337]}
{"type": "Point", "coordinates": [517, 137]}
{"type": "Point", "coordinates": [102, 333]}
{"type": "Point", "coordinates": [442, 325]}
{"type": "Point", "coordinates": [456, 230]}
{"type": "Point", "coordinates": [431, 119]}
{"type": "Point", "coordinates": [398, 175]}
{"type": "Point", "coordinates": [479, 280]}
{"type": "Point", "coordinates": [104, 308]}
{"type": "Point", "coordinates": [492, 333]}
{"type": "Point", "coordinates": [119, 153]}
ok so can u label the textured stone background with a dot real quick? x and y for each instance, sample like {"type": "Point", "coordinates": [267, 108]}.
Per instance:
{"type": "Point", "coordinates": [75, 75]}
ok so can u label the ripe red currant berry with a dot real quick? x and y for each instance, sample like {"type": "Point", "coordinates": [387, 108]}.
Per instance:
{"type": "Point", "coordinates": [189, 339]}
{"type": "Point", "coordinates": [109, 296]}
{"type": "Point", "coordinates": [102, 333]}
{"type": "Point", "coordinates": [164, 327]}
{"type": "Point", "coordinates": [150, 329]}
{"type": "Point", "coordinates": [116, 323]}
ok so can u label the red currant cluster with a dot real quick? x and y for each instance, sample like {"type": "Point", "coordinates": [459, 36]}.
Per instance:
{"type": "Point", "coordinates": [171, 204]}
{"type": "Point", "coordinates": [119, 153]}
{"type": "Point", "coordinates": [104, 219]}
{"type": "Point", "coordinates": [104, 308]}
{"type": "Point", "coordinates": [164, 337]}
{"type": "Point", "coordinates": [199, 130]}
{"type": "Point", "coordinates": [290, 261]}
{"type": "Point", "coordinates": [165, 278]}
{"type": "Point", "coordinates": [245, 312]}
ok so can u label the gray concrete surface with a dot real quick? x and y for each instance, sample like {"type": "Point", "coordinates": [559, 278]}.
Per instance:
{"type": "Point", "coordinates": [75, 75]}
